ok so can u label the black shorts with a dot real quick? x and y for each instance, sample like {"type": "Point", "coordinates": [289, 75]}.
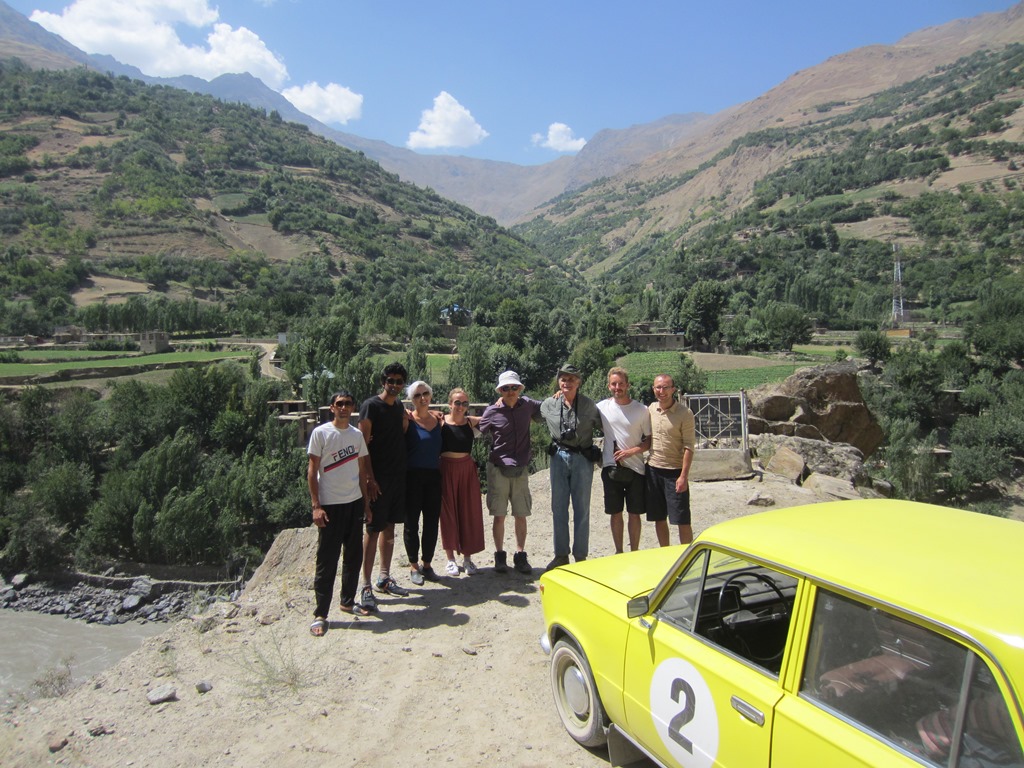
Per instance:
{"type": "Point", "coordinates": [617, 495]}
{"type": "Point", "coordinates": [389, 508]}
{"type": "Point", "coordinates": [663, 501]}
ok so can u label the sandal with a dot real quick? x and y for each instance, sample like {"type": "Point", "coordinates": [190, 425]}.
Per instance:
{"type": "Point", "coordinates": [355, 609]}
{"type": "Point", "coordinates": [318, 628]}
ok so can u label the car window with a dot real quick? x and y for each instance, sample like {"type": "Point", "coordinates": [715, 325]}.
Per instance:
{"type": "Point", "coordinates": [906, 684]}
{"type": "Point", "coordinates": [736, 604]}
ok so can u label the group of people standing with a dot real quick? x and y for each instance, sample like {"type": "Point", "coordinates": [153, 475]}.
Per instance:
{"type": "Point", "coordinates": [415, 467]}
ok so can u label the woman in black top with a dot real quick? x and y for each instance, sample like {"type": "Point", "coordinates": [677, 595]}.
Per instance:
{"type": "Point", "coordinates": [462, 522]}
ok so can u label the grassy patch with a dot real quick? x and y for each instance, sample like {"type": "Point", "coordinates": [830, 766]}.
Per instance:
{"type": "Point", "coordinates": [30, 369]}
{"type": "Point", "coordinates": [747, 378]}
{"type": "Point", "coordinates": [647, 365]}
{"type": "Point", "coordinates": [68, 354]}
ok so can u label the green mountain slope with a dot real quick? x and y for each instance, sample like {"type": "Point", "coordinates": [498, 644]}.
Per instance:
{"type": "Point", "coordinates": [258, 218]}
{"type": "Point", "coordinates": [809, 215]}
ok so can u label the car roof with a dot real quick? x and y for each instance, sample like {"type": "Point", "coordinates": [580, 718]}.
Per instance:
{"type": "Point", "coordinates": [961, 569]}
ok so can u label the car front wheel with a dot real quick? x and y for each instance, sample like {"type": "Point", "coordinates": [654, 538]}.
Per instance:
{"type": "Point", "coordinates": [576, 695]}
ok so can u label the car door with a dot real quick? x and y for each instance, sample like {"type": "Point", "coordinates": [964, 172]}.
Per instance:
{"type": "Point", "coordinates": [695, 696]}
{"type": "Point", "coordinates": [877, 689]}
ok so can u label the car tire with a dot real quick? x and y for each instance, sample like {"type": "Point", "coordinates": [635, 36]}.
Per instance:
{"type": "Point", "coordinates": [576, 697]}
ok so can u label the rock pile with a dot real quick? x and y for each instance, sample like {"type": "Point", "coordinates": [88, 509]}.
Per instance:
{"type": "Point", "coordinates": [142, 600]}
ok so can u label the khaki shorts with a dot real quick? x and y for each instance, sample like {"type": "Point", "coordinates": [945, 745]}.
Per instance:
{"type": "Point", "coordinates": [502, 491]}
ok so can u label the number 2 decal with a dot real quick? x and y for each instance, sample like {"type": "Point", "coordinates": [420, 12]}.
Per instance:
{"type": "Point", "coordinates": [684, 716]}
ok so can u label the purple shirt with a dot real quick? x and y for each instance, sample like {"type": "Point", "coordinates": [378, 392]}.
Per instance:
{"type": "Point", "coordinates": [509, 429]}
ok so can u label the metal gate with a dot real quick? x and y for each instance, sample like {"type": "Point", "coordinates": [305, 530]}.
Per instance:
{"type": "Point", "coordinates": [721, 420]}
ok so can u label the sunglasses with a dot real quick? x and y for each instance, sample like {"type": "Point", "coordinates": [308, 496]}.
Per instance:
{"type": "Point", "coordinates": [343, 403]}
{"type": "Point", "coordinates": [420, 394]}
{"type": "Point", "coordinates": [460, 403]}
{"type": "Point", "coordinates": [509, 388]}
{"type": "Point", "coordinates": [395, 382]}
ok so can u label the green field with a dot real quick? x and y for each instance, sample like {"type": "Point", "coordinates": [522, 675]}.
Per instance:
{"type": "Point", "coordinates": [647, 365]}
{"type": "Point", "coordinates": [747, 378]}
{"type": "Point", "coordinates": [68, 354]}
{"type": "Point", "coordinates": [31, 369]}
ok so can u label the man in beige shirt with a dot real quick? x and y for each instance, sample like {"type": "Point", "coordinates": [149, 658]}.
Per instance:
{"type": "Point", "coordinates": [668, 468]}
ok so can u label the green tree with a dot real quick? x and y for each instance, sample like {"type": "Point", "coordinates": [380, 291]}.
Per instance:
{"type": "Point", "coordinates": [873, 345]}
{"type": "Point", "coordinates": [700, 314]}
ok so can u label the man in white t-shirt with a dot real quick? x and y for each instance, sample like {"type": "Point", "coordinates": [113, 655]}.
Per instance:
{"type": "Point", "coordinates": [627, 434]}
{"type": "Point", "coordinates": [337, 475]}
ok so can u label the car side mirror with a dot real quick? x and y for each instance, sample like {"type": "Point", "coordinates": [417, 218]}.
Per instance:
{"type": "Point", "coordinates": [638, 606]}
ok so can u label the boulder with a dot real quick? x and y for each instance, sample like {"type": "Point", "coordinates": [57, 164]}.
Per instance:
{"type": "Point", "coordinates": [831, 487]}
{"type": "Point", "coordinates": [787, 463]}
{"type": "Point", "coordinates": [834, 459]}
{"type": "Point", "coordinates": [822, 403]}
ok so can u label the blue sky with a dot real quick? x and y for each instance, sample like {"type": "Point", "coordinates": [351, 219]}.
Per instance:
{"type": "Point", "coordinates": [523, 81]}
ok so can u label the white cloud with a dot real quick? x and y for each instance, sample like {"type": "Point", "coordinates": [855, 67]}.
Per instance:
{"type": "Point", "coordinates": [331, 103]}
{"type": "Point", "coordinates": [559, 138]}
{"type": "Point", "coordinates": [142, 33]}
{"type": "Point", "coordinates": [447, 124]}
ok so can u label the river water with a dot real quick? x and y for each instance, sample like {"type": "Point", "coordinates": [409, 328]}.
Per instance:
{"type": "Point", "coordinates": [33, 643]}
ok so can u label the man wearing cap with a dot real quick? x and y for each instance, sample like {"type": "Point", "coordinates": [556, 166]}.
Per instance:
{"type": "Point", "coordinates": [507, 423]}
{"type": "Point", "coordinates": [668, 468]}
{"type": "Point", "coordinates": [571, 419]}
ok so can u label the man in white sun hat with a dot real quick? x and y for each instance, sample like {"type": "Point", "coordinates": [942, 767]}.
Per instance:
{"type": "Point", "coordinates": [507, 423]}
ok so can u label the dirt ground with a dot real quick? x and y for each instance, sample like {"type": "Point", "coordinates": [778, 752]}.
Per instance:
{"type": "Point", "coordinates": [452, 674]}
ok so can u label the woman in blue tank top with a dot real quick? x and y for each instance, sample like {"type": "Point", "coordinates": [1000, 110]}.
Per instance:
{"type": "Point", "coordinates": [422, 483]}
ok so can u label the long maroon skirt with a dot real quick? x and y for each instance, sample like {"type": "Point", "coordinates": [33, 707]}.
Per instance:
{"type": "Point", "coordinates": [462, 516]}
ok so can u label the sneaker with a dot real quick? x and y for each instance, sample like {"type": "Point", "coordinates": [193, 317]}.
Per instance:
{"type": "Point", "coordinates": [452, 568]}
{"type": "Point", "coordinates": [416, 577]}
{"type": "Point", "coordinates": [500, 564]}
{"type": "Point", "coordinates": [469, 566]}
{"type": "Point", "coordinates": [521, 564]}
{"type": "Point", "coordinates": [389, 586]}
{"type": "Point", "coordinates": [557, 562]}
{"type": "Point", "coordinates": [367, 600]}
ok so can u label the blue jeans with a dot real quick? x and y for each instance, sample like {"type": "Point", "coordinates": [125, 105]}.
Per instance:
{"type": "Point", "coordinates": [571, 478]}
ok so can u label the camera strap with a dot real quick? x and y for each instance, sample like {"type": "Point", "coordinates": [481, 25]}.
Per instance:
{"type": "Point", "coordinates": [575, 413]}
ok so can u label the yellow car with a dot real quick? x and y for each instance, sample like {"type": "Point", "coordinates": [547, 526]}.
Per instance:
{"type": "Point", "coordinates": [853, 633]}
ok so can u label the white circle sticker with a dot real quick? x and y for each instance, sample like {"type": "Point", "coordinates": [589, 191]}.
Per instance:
{"type": "Point", "coordinates": [684, 713]}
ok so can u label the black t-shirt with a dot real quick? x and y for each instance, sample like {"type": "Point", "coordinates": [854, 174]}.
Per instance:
{"type": "Point", "coordinates": [387, 438]}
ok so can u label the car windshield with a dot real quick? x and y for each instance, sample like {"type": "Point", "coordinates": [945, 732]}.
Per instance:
{"type": "Point", "coordinates": [739, 605]}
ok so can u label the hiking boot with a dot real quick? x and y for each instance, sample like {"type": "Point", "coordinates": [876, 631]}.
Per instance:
{"type": "Point", "coordinates": [521, 564]}
{"type": "Point", "coordinates": [558, 561]}
{"type": "Point", "coordinates": [389, 586]}
{"type": "Point", "coordinates": [367, 600]}
{"type": "Point", "coordinates": [500, 564]}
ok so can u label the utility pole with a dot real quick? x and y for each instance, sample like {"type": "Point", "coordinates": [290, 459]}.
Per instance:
{"type": "Point", "coordinates": [897, 287]}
